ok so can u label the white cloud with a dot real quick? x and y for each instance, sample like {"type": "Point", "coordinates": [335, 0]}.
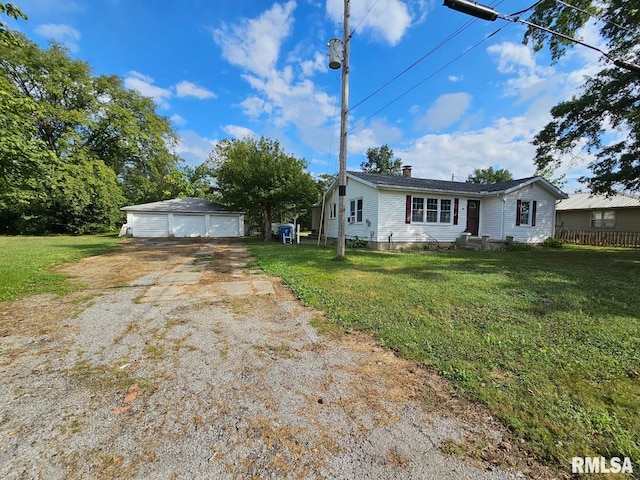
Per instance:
{"type": "Point", "coordinates": [194, 148]}
{"type": "Point", "coordinates": [65, 34]}
{"type": "Point", "coordinates": [254, 44]}
{"type": "Point", "coordinates": [190, 89]}
{"type": "Point", "coordinates": [454, 78]}
{"type": "Point", "coordinates": [388, 20]}
{"type": "Point", "coordinates": [446, 110]}
{"type": "Point", "coordinates": [143, 84]}
{"type": "Point", "coordinates": [236, 131]}
{"type": "Point", "coordinates": [317, 64]}
{"type": "Point", "coordinates": [178, 120]}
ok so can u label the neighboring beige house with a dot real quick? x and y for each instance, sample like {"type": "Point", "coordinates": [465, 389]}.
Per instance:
{"type": "Point", "coordinates": [392, 212]}
{"type": "Point", "coordinates": [586, 211]}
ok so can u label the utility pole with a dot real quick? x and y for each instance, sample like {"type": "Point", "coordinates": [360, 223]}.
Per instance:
{"type": "Point", "coordinates": [342, 175]}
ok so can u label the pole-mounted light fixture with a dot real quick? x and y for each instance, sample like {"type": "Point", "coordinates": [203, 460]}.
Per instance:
{"type": "Point", "coordinates": [472, 8]}
{"type": "Point", "coordinates": [487, 13]}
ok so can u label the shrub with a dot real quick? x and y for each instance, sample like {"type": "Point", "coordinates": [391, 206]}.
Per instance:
{"type": "Point", "coordinates": [357, 243]}
{"type": "Point", "coordinates": [553, 243]}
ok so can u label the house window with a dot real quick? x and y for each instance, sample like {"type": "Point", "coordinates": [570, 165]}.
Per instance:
{"type": "Point", "coordinates": [333, 210]}
{"type": "Point", "coordinates": [417, 210]}
{"type": "Point", "coordinates": [445, 211]}
{"type": "Point", "coordinates": [603, 219]}
{"type": "Point", "coordinates": [436, 210]}
{"type": "Point", "coordinates": [525, 212]}
{"type": "Point", "coordinates": [355, 211]}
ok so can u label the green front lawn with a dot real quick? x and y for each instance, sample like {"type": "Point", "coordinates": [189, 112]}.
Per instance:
{"type": "Point", "coordinates": [25, 261]}
{"type": "Point", "coordinates": [548, 339]}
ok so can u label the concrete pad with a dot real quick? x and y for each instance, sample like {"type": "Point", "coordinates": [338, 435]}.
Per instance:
{"type": "Point", "coordinates": [236, 288]}
{"type": "Point", "coordinates": [263, 287]}
{"type": "Point", "coordinates": [180, 278]}
{"type": "Point", "coordinates": [161, 293]}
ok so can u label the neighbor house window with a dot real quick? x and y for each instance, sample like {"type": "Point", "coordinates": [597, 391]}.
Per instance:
{"type": "Point", "coordinates": [603, 219]}
{"type": "Point", "coordinates": [355, 210]}
{"type": "Point", "coordinates": [431, 210]}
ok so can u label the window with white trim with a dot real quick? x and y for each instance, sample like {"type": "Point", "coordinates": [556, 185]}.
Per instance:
{"type": "Point", "coordinates": [603, 219]}
{"type": "Point", "coordinates": [525, 212]}
{"type": "Point", "coordinates": [431, 210]}
{"type": "Point", "coordinates": [355, 211]}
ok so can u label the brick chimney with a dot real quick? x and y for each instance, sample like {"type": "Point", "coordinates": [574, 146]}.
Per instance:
{"type": "Point", "coordinates": [406, 171]}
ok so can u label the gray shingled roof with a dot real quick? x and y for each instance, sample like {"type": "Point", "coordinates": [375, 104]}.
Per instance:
{"type": "Point", "coordinates": [588, 201]}
{"type": "Point", "coordinates": [438, 185]}
{"type": "Point", "coordinates": [179, 205]}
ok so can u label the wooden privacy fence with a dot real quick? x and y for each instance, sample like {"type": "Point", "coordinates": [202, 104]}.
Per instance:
{"type": "Point", "coordinates": [599, 237]}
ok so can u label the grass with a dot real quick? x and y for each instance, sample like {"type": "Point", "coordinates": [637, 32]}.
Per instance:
{"type": "Point", "coordinates": [25, 262]}
{"type": "Point", "coordinates": [547, 339]}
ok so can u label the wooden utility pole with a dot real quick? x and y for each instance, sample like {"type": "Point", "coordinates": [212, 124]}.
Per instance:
{"type": "Point", "coordinates": [342, 175]}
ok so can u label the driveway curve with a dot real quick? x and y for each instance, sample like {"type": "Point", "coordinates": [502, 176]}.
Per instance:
{"type": "Point", "coordinates": [176, 361]}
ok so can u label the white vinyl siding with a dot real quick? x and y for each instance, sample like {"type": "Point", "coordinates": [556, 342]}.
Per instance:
{"type": "Point", "coordinates": [545, 215]}
{"type": "Point", "coordinates": [392, 215]}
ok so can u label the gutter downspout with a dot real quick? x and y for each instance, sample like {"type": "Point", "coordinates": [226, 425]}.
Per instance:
{"type": "Point", "coordinates": [504, 202]}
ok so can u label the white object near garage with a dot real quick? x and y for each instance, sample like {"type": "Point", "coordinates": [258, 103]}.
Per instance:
{"type": "Point", "coordinates": [183, 217]}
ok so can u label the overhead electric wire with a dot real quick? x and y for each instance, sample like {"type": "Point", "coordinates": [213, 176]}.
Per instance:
{"type": "Point", "coordinates": [362, 19]}
{"type": "Point", "coordinates": [425, 56]}
{"type": "Point", "coordinates": [425, 79]}
{"type": "Point", "coordinates": [594, 16]}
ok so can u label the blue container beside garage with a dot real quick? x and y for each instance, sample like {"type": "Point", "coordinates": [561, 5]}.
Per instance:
{"type": "Point", "coordinates": [286, 234]}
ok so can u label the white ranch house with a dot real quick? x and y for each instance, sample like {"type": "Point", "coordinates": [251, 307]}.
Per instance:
{"type": "Point", "coordinates": [183, 217]}
{"type": "Point", "coordinates": [401, 211]}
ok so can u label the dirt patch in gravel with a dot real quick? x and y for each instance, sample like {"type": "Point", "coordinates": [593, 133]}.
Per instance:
{"type": "Point", "coordinates": [213, 384]}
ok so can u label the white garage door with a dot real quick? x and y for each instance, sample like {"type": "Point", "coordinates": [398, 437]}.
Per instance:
{"type": "Point", "coordinates": [225, 226]}
{"type": "Point", "coordinates": [189, 225]}
{"type": "Point", "coordinates": [150, 225]}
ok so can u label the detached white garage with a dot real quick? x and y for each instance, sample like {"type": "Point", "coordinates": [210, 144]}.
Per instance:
{"type": "Point", "coordinates": [183, 217]}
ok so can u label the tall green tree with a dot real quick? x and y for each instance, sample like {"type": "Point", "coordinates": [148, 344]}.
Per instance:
{"type": "Point", "coordinates": [381, 160]}
{"type": "Point", "coordinates": [488, 175]}
{"type": "Point", "coordinates": [62, 130]}
{"type": "Point", "coordinates": [323, 181]}
{"type": "Point", "coordinates": [258, 177]}
{"type": "Point", "coordinates": [604, 118]}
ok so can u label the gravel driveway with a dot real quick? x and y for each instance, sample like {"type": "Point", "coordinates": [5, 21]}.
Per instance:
{"type": "Point", "coordinates": [176, 361]}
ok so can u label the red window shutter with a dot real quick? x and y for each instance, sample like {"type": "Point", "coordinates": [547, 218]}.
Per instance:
{"type": "Point", "coordinates": [533, 213]}
{"type": "Point", "coordinates": [407, 212]}
{"type": "Point", "coordinates": [518, 211]}
{"type": "Point", "coordinates": [456, 204]}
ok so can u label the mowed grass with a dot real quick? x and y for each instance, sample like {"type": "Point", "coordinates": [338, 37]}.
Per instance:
{"type": "Point", "coordinates": [25, 262]}
{"type": "Point", "coordinates": [548, 339]}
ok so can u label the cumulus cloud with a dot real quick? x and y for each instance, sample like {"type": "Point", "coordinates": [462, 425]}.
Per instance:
{"type": "Point", "coordinates": [177, 119]}
{"type": "Point", "coordinates": [446, 110]}
{"type": "Point", "coordinates": [65, 34]}
{"type": "Point", "coordinates": [193, 148]}
{"type": "Point", "coordinates": [236, 131]}
{"type": "Point", "coordinates": [385, 20]}
{"type": "Point", "coordinates": [190, 89]}
{"type": "Point", "coordinates": [254, 44]}
{"type": "Point", "coordinates": [143, 84]}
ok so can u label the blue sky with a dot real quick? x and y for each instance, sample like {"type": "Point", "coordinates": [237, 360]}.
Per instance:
{"type": "Point", "coordinates": [230, 68]}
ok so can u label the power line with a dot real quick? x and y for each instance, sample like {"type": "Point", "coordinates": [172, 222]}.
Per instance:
{"type": "Point", "coordinates": [425, 79]}
{"type": "Point", "coordinates": [595, 16]}
{"type": "Point", "coordinates": [425, 56]}
{"type": "Point", "coordinates": [365, 16]}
